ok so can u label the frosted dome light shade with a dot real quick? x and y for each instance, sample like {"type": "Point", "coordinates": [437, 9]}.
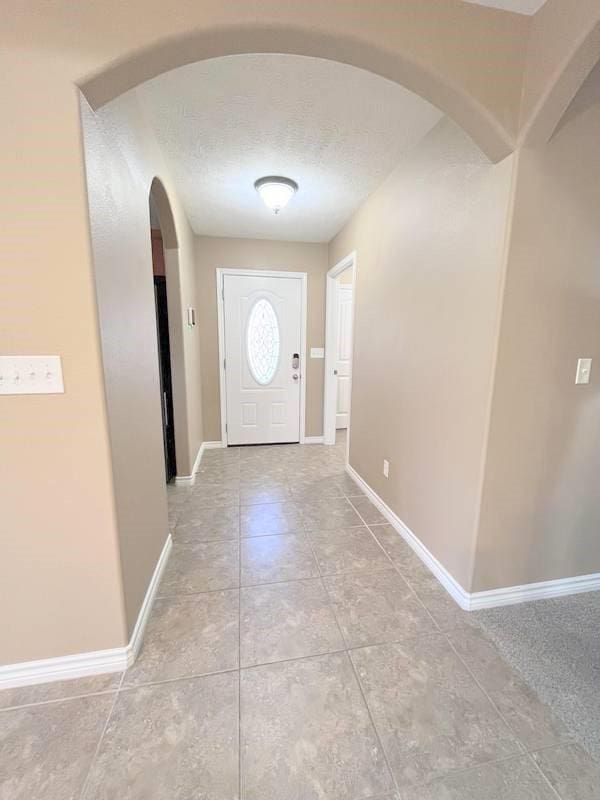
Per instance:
{"type": "Point", "coordinates": [276, 192]}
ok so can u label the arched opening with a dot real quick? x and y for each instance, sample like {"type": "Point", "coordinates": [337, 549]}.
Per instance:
{"type": "Point", "coordinates": [159, 240]}
{"type": "Point", "coordinates": [451, 220]}
{"type": "Point", "coordinates": [420, 76]}
{"type": "Point", "coordinates": [164, 215]}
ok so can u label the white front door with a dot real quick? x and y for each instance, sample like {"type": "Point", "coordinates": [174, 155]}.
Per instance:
{"type": "Point", "coordinates": [343, 360]}
{"type": "Point", "coordinates": [263, 338]}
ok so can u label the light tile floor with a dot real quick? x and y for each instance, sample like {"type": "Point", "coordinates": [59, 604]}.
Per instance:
{"type": "Point", "coordinates": [298, 650]}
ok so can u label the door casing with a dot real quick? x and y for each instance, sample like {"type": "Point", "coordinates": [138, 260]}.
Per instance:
{"type": "Point", "coordinates": [344, 291]}
{"type": "Point", "coordinates": [330, 383]}
{"type": "Point", "coordinates": [260, 273]}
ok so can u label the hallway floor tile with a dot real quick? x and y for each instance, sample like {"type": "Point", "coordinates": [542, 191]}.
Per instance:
{"type": "Point", "coordinates": [340, 670]}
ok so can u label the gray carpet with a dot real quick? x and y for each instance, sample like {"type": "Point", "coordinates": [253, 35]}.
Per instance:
{"type": "Point", "coordinates": [555, 645]}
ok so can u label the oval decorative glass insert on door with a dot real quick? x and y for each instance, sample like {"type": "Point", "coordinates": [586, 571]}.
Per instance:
{"type": "Point", "coordinates": [262, 342]}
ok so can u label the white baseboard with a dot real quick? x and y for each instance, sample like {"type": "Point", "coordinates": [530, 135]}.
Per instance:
{"type": "Point", "coordinates": [82, 665]}
{"type": "Point", "coordinates": [313, 440]}
{"type": "Point", "coordinates": [189, 480]}
{"type": "Point", "coordinates": [213, 445]}
{"type": "Point", "coordinates": [471, 601]}
{"type": "Point", "coordinates": [137, 636]}
{"type": "Point", "coordinates": [441, 573]}
{"type": "Point", "coordinates": [535, 591]}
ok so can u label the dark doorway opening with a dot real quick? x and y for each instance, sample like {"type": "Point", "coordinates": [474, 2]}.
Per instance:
{"type": "Point", "coordinates": [164, 352]}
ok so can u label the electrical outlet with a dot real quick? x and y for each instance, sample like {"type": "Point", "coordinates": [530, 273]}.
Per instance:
{"type": "Point", "coordinates": [386, 468]}
{"type": "Point", "coordinates": [584, 368]}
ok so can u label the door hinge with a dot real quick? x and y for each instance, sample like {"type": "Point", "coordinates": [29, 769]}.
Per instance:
{"type": "Point", "coordinates": [225, 427]}
{"type": "Point", "coordinates": [224, 363]}
{"type": "Point", "coordinates": [223, 292]}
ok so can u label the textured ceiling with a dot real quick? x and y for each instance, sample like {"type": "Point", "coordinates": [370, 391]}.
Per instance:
{"type": "Point", "coordinates": [519, 6]}
{"type": "Point", "coordinates": [336, 130]}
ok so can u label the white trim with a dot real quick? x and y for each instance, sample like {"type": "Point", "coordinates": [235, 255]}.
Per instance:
{"type": "Point", "coordinates": [190, 480]}
{"type": "Point", "coordinates": [98, 662]}
{"type": "Point", "coordinates": [261, 273]}
{"type": "Point", "coordinates": [63, 668]}
{"type": "Point", "coordinates": [471, 601]}
{"type": "Point", "coordinates": [313, 440]}
{"type": "Point", "coordinates": [535, 591]}
{"type": "Point", "coordinates": [213, 445]}
{"type": "Point", "coordinates": [221, 342]}
{"type": "Point", "coordinates": [137, 636]}
{"type": "Point", "coordinates": [329, 392]}
{"type": "Point", "coordinates": [185, 480]}
{"type": "Point", "coordinates": [441, 573]}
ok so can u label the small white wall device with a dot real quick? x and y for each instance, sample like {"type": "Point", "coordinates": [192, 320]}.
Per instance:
{"type": "Point", "coordinates": [584, 370]}
{"type": "Point", "coordinates": [31, 375]}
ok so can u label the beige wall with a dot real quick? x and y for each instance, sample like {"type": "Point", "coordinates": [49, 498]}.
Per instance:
{"type": "Point", "coordinates": [121, 162]}
{"type": "Point", "coordinates": [213, 252]}
{"type": "Point", "coordinates": [59, 565]}
{"type": "Point", "coordinates": [430, 249]}
{"type": "Point", "coordinates": [541, 505]}
{"type": "Point", "coordinates": [345, 279]}
{"type": "Point", "coordinates": [466, 59]}
{"type": "Point", "coordinates": [564, 46]}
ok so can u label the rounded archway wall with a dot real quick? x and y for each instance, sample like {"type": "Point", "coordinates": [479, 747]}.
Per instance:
{"type": "Point", "coordinates": [405, 42]}
{"type": "Point", "coordinates": [159, 197]}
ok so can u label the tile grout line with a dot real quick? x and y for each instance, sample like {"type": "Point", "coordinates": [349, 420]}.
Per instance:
{"type": "Point", "coordinates": [86, 782]}
{"type": "Point", "coordinates": [552, 788]}
{"type": "Point", "coordinates": [527, 753]}
{"type": "Point", "coordinates": [190, 595]}
{"type": "Point", "coordinates": [377, 735]}
{"type": "Point", "coordinates": [132, 687]}
{"type": "Point", "coordinates": [240, 658]}
{"type": "Point", "coordinates": [357, 679]}
{"type": "Point", "coordinates": [446, 636]}
{"type": "Point", "coordinates": [408, 583]}
{"type": "Point", "coordinates": [393, 563]}
{"type": "Point", "coordinates": [467, 770]}
{"type": "Point", "coordinates": [413, 591]}
{"type": "Point", "coordinates": [57, 699]}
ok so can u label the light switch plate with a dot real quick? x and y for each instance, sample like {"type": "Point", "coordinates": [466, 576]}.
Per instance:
{"type": "Point", "coordinates": [317, 352]}
{"type": "Point", "coordinates": [584, 370]}
{"type": "Point", "coordinates": [31, 375]}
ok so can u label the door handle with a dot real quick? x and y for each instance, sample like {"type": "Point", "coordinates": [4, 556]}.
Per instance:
{"type": "Point", "coordinates": [166, 408]}
{"type": "Point", "coordinates": [335, 372]}
{"type": "Point", "coordinates": [295, 376]}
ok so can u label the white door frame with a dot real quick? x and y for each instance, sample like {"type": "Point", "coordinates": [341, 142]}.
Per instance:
{"type": "Point", "coordinates": [330, 384]}
{"type": "Point", "coordinates": [260, 273]}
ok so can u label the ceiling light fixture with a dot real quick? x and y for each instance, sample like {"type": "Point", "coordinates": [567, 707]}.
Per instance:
{"type": "Point", "coordinates": [275, 191]}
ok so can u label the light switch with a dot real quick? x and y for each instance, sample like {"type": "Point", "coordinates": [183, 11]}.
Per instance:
{"type": "Point", "coordinates": [317, 352]}
{"type": "Point", "coordinates": [584, 370]}
{"type": "Point", "coordinates": [31, 375]}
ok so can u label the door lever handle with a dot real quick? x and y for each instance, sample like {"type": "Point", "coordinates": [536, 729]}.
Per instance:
{"type": "Point", "coordinates": [166, 409]}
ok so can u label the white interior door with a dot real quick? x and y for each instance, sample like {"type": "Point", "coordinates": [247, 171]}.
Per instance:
{"type": "Point", "coordinates": [263, 338]}
{"type": "Point", "coordinates": [343, 361]}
